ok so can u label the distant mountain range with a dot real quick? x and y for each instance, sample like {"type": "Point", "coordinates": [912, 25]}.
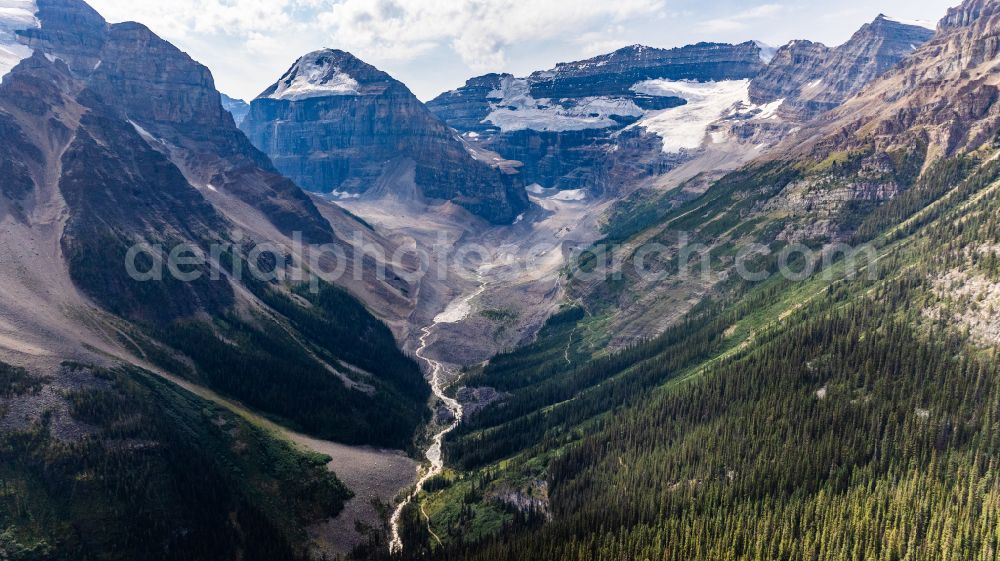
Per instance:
{"type": "Point", "coordinates": [567, 125]}
{"type": "Point", "coordinates": [337, 125]}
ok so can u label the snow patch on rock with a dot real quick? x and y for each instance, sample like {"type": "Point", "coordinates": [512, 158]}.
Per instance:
{"type": "Point", "coordinates": [813, 85]}
{"type": "Point", "coordinates": [146, 135]}
{"type": "Point", "coordinates": [15, 15]}
{"type": "Point", "coordinates": [344, 195]}
{"type": "Point", "coordinates": [514, 109]}
{"type": "Point", "coordinates": [915, 22]}
{"type": "Point", "coordinates": [769, 110]}
{"type": "Point", "coordinates": [767, 52]}
{"type": "Point", "coordinates": [314, 76]}
{"type": "Point", "coordinates": [570, 195]}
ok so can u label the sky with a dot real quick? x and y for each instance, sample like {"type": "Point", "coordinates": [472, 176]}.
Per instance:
{"type": "Point", "coordinates": [436, 45]}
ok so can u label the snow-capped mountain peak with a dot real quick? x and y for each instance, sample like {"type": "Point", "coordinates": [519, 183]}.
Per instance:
{"type": "Point", "coordinates": [317, 74]}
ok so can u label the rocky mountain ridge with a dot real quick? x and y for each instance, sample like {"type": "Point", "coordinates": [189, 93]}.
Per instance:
{"type": "Point", "coordinates": [812, 78]}
{"type": "Point", "coordinates": [236, 107]}
{"type": "Point", "coordinates": [116, 141]}
{"type": "Point", "coordinates": [940, 101]}
{"type": "Point", "coordinates": [560, 123]}
{"type": "Point", "coordinates": [136, 150]}
{"type": "Point", "coordinates": [624, 118]}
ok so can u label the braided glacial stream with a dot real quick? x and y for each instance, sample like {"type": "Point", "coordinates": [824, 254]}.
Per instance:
{"type": "Point", "coordinates": [455, 312]}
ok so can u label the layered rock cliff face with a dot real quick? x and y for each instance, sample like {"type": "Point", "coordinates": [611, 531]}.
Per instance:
{"type": "Point", "coordinates": [71, 31]}
{"type": "Point", "coordinates": [615, 73]}
{"type": "Point", "coordinates": [812, 78]}
{"type": "Point", "coordinates": [898, 137]}
{"type": "Point", "coordinates": [335, 124]}
{"type": "Point", "coordinates": [561, 123]}
{"type": "Point", "coordinates": [187, 117]}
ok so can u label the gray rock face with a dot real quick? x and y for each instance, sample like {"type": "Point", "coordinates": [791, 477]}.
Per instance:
{"type": "Point", "coordinates": [115, 138]}
{"type": "Point", "coordinates": [941, 100]}
{"type": "Point", "coordinates": [466, 108]}
{"type": "Point", "coordinates": [561, 123]}
{"type": "Point", "coordinates": [813, 78]}
{"type": "Point", "coordinates": [614, 74]}
{"type": "Point", "coordinates": [475, 400]}
{"type": "Point", "coordinates": [146, 80]}
{"type": "Point", "coordinates": [236, 107]}
{"type": "Point", "coordinates": [70, 30]}
{"type": "Point", "coordinates": [967, 14]}
{"type": "Point", "coordinates": [187, 113]}
{"type": "Point", "coordinates": [336, 124]}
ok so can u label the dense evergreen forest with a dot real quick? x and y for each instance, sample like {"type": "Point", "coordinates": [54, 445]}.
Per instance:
{"type": "Point", "coordinates": [161, 474]}
{"type": "Point", "coordinates": [842, 417]}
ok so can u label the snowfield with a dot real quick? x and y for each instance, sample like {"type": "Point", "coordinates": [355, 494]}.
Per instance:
{"type": "Point", "coordinates": [767, 52]}
{"type": "Point", "coordinates": [15, 15]}
{"type": "Point", "coordinates": [685, 127]}
{"type": "Point", "coordinates": [314, 76]}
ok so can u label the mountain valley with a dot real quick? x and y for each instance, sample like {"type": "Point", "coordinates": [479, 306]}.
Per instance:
{"type": "Point", "coordinates": [718, 301]}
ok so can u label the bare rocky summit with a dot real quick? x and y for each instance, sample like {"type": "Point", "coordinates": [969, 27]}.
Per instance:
{"type": "Point", "coordinates": [812, 78]}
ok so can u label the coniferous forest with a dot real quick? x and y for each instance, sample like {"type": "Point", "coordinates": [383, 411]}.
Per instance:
{"type": "Point", "coordinates": [849, 416]}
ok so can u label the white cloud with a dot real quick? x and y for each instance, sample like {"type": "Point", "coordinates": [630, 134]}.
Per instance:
{"type": "Point", "coordinates": [435, 45]}
{"type": "Point", "coordinates": [741, 20]}
{"type": "Point", "coordinates": [478, 31]}
{"type": "Point", "coordinates": [179, 18]}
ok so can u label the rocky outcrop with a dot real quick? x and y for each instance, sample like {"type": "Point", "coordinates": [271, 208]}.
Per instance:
{"type": "Point", "coordinates": [70, 30]}
{"type": "Point", "coordinates": [967, 14]}
{"type": "Point", "coordinates": [335, 124]}
{"type": "Point", "coordinates": [615, 73]}
{"type": "Point", "coordinates": [465, 109]}
{"type": "Point", "coordinates": [812, 78]}
{"type": "Point", "coordinates": [475, 400]}
{"type": "Point", "coordinates": [162, 91]}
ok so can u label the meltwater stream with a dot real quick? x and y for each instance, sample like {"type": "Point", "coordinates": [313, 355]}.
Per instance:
{"type": "Point", "coordinates": [457, 311]}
